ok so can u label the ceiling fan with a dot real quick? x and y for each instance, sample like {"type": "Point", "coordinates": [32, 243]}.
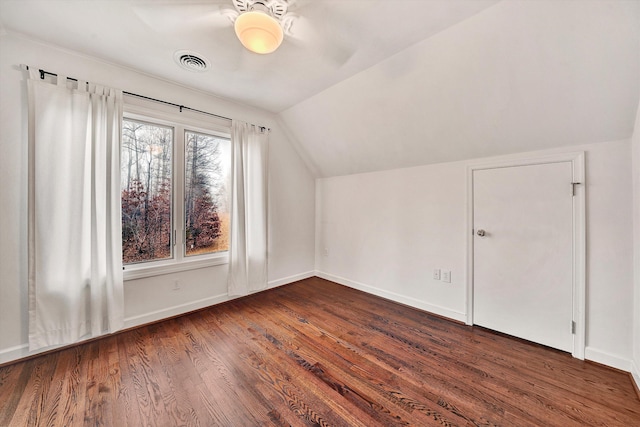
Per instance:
{"type": "Point", "coordinates": [260, 25]}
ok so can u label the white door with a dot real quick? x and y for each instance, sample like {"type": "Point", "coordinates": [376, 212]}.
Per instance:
{"type": "Point", "coordinates": [522, 252]}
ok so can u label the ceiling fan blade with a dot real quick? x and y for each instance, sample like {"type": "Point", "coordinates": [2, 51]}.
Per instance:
{"type": "Point", "coordinates": [169, 17]}
{"type": "Point", "coordinates": [295, 5]}
{"type": "Point", "coordinates": [304, 35]}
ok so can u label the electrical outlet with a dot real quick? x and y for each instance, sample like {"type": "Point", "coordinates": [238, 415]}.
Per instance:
{"type": "Point", "coordinates": [176, 285]}
{"type": "Point", "coordinates": [325, 251]}
{"type": "Point", "coordinates": [436, 274]}
{"type": "Point", "coordinates": [446, 276]}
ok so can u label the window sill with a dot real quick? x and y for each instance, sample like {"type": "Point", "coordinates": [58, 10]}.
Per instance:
{"type": "Point", "coordinates": [143, 271]}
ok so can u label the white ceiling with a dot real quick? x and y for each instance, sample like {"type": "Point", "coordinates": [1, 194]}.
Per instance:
{"type": "Point", "coordinates": [519, 76]}
{"type": "Point", "coordinates": [350, 36]}
{"type": "Point", "coordinates": [387, 83]}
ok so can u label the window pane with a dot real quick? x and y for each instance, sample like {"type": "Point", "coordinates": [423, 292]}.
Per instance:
{"type": "Point", "coordinates": [207, 160]}
{"type": "Point", "coordinates": [146, 191]}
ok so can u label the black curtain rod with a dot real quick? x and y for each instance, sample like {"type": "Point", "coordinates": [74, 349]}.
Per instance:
{"type": "Point", "coordinates": [181, 107]}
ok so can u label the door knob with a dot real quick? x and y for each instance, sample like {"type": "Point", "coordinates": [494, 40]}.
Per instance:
{"type": "Point", "coordinates": [481, 233]}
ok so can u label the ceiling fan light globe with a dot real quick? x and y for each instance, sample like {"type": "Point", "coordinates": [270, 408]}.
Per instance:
{"type": "Point", "coordinates": [258, 32]}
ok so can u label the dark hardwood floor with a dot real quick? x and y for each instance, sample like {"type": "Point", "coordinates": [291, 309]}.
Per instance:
{"type": "Point", "coordinates": [313, 353]}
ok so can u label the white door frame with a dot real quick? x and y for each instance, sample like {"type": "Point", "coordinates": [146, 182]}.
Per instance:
{"type": "Point", "coordinates": [579, 243]}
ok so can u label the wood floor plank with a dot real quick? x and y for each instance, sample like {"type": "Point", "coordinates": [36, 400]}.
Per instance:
{"type": "Point", "coordinates": [178, 404]}
{"type": "Point", "coordinates": [451, 403]}
{"type": "Point", "coordinates": [313, 353]}
{"type": "Point", "coordinates": [13, 381]}
{"type": "Point", "coordinates": [64, 404]}
{"type": "Point", "coordinates": [146, 377]}
{"type": "Point", "coordinates": [514, 371]}
{"type": "Point", "coordinates": [98, 405]}
{"type": "Point", "coordinates": [219, 376]}
{"type": "Point", "coordinates": [373, 376]}
{"type": "Point", "coordinates": [125, 405]}
{"type": "Point", "coordinates": [111, 388]}
{"type": "Point", "coordinates": [401, 353]}
{"type": "Point", "coordinates": [170, 352]}
{"type": "Point", "coordinates": [277, 379]}
{"type": "Point", "coordinates": [338, 373]}
{"type": "Point", "coordinates": [29, 411]}
{"type": "Point", "coordinates": [284, 374]}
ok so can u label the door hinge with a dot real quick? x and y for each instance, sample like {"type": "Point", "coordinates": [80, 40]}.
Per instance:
{"type": "Point", "coordinates": [573, 187]}
{"type": "Point", "coordinates": [573, 327]}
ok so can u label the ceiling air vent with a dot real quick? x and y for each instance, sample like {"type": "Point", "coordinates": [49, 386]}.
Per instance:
{"type": "Point", "coordinates": [191, 61]}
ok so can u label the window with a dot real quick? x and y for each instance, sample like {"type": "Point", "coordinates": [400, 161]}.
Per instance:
{"type": "Point", "coordinates": [146, 185]}
{"type": "Point", "coordinates": [174, 182]}
{"type": "Point", "coordinates": [206, 212]}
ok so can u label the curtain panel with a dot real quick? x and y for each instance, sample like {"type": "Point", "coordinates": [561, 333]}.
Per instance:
{"type": "Point", "coordinates": [75, 238]}
{"type": "Point", "coordinates": [248, 234]}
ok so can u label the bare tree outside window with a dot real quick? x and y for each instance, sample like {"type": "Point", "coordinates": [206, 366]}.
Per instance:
{"type": "Point", "coordinates": [206, 213]}
{"type": "Point", "coordinates": [146, 172]}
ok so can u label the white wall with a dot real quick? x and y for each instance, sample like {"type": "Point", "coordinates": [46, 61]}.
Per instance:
{"type": "Point", "coordinates": [291, 211]}
{"type": "Point", "coordinates": [635, 141]}
{"type": "Point", "coordinates": [609, 271]}
{"type": "Point", "coordinates": [388, 230]}
{"type": "Point", "coordinates": [385, 232]}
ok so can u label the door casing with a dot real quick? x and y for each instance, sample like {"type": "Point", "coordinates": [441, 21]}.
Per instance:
{"type": "Point", "coordinates": [579, 234]}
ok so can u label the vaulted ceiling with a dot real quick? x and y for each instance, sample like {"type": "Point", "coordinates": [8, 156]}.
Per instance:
{"type": "Point", "coordinates": [519, 76]}
{"type": "Point", "coordinates": [381, 84]}
{"type": "Point", "coordinates": [339, 38]}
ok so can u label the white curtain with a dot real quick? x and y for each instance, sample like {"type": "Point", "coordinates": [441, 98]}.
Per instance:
{"type": "Point", "coordinates": [248, 236]}
{"type": "Point", "coordinates": [75, 238]}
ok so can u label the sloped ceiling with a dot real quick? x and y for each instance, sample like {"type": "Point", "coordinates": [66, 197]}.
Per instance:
{"type": "Point", "coordinates": [519, 76]}
{"type": "Point", "coordinates": [423, 81]}
{"type": "Point", "coordinates": [333, 40]}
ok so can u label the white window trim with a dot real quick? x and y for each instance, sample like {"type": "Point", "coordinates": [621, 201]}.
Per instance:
{"type": "Point", "coordinates": [159, 268]}
{"type": "Point", "coordinates": [179, 122]}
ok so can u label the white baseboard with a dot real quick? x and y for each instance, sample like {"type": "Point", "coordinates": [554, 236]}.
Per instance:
{"type": "Point", "coordinates": [635, 373]}
{"type": "Point", "coordinates": [20, 351]}
{"type": "Point", "coordinates": [14, 353]}
{"type": "Point", "coordinates": [154, 316]}
{"type": "Point", "coordinates": [17, 352]}
{"type": "Point", "coordinates": [413, 302]}
{"type": "Point", "coordinates": [291, 279]}
{"type": "Point", "coordinates": [608, 359]}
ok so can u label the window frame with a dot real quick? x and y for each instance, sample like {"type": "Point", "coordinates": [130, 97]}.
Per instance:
{"type": "Point", "coordinates": [179, 122]}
